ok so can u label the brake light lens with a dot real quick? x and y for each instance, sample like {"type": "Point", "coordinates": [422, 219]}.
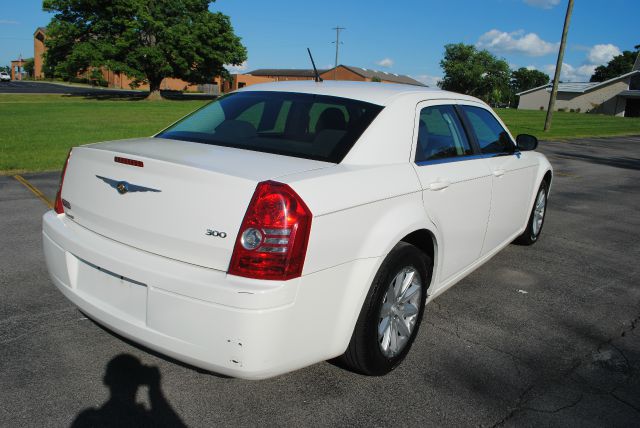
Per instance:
{"type": "Point", "coordinates": [272, 241]}
{"type": "Point", "coordinates": [58, 206]}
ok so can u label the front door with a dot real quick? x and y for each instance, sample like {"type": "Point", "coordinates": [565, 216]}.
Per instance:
{"type": "Point", "coordinates": [513, 175]}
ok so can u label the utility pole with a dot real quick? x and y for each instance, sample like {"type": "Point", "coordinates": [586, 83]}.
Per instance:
{"type": "Point", "coordinates": [337, 42]}
{"type": "Point", "coordinates": [556, 77]}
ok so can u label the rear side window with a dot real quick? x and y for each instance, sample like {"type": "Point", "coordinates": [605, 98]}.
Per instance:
{"type": "Point", "coordinates": [302, 125]}
{"type": "Point", "coordinates": [491, 136]}
{"type": "Point", "coordinates": [440, 135]}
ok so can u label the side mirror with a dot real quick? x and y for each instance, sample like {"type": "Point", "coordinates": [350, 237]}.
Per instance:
{"type": "Point", "coordinates": [526, 142]}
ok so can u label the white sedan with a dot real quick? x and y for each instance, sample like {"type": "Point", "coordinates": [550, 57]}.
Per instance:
{"type": "Point", "coordinates": [291, 223]}
{"type": "Point", "coordinates": [4, 76]}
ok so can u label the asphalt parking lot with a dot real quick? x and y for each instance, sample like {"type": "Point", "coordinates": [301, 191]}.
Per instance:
{"type": "Point", "coordinates": [547, 335]}
{"type": "Point", "coordinates": [19, 87]}
{"type": "Point", "coordinates": [29, 87]}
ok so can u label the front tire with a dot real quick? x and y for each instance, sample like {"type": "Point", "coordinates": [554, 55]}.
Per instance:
{"type": "Point", "coordinates": [536, 219]}
{"type": "Point", "coordinates": [390, 317]}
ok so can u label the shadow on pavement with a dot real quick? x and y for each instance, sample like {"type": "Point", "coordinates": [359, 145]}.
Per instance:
{"type": "Point", "coordinates": [619, 162]}
{"type": "Point", "coordinates": [123, 376]}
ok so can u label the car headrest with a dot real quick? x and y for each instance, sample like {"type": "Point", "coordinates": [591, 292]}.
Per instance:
{"type": "Point", "coordinates": [331, 118]}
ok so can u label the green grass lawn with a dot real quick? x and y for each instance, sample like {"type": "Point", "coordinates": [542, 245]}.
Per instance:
{"type": "Point", "coordinates": [565, 125]}
{"type": "Point", "coordinates": [36, 131]}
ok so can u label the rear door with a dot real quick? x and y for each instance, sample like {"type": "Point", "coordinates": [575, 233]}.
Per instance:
{"type": "Point", "coordinates": [456, 185]}
{"type": "Point", "coordinates": [512, 171]}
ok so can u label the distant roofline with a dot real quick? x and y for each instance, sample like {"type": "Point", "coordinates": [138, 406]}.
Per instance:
{"type": "Point", "coordinates": [387, 76]}
{"type": "Point", "coordinates": [296, 72]}
{"type": "Point", "coordinates": [306, 72]}
{"type": "Point", "coordinates": [586, 89]}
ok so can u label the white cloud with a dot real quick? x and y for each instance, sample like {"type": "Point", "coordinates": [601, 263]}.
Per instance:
{"type": "Point", "coordinates": [597, 55]}
{"type": "Point", "coordinates": [602, 54]}
{"type": "Point", "coordinates": [531, 67]}
{"type": "Point", "coordinates": [8, 22]}
{"type": "Point", "coordinates": [570, 73]}
{"type": "Point", "coordinates": [428, 79]}
{"type": "Point", "coordinates": [386, 62]}
{"type": "Point", "coordinates": [516, 42]}
{"type": "Point", "coordinates": [544, 4]}
{"type": "Point", "coordinates": [233, 69]}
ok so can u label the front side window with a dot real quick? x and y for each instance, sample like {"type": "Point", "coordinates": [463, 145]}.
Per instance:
{"type": "Point", "coordinates": [440, 135]}
{"type": "Point", "coordinates": [491, 136]}
{"type": "Point", "coordinates": [292, 124]}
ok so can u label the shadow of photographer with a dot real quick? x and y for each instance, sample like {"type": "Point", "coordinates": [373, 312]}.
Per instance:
{"type": "Point", "coordinates": [124, 375]}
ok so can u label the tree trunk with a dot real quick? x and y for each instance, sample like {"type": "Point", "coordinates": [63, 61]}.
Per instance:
{"type": "Point", "coordinates": [154, 89]}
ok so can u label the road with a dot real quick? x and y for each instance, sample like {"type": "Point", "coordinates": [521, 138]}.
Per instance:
{"type": "Point", "coordinates": [540, 336]}
{"type": "Point", "coordinates": [29, 87]}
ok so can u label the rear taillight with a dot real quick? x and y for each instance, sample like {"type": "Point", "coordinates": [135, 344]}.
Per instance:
{"type": "Point", "coordinates": [272, 241]}
{"type": "Point", "coordinates": [58, 206]}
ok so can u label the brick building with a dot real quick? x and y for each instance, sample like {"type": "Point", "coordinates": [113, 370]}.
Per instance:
{"type": "Point", "coordinates": [220, 85]}
{"type": "Point", "coordinates": [341, 72]}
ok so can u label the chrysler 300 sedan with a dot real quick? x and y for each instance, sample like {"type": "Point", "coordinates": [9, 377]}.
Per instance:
{"type": "Point", "coordinates": [290, 223]}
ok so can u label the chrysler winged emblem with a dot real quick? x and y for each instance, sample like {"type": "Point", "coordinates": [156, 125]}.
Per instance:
{"type": "Point", "coordinates": [123, 187]}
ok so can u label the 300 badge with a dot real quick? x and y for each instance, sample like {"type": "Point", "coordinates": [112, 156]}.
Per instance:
{"type": "Point", "coordinates": [216, 233]}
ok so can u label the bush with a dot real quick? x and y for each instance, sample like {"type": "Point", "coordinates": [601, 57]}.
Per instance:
{"type": "Point", "coordinates": [562, 109]}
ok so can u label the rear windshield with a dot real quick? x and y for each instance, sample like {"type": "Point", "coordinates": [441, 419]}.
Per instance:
{"type": "Point", "coordinates": [308, 126]}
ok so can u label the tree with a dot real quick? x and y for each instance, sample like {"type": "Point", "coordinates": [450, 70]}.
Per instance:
{"type": "Point", "coordinates": [148, 40]}
{"type": "Point", "coordinates": [618, 65]}
{"type": "Point", "coordinates": [524, 79]}
{"type": "Point", "coordinates": [473, 72]}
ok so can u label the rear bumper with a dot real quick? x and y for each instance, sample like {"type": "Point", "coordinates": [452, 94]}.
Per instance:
{"type": "Point", "coordinates": [235, 326]}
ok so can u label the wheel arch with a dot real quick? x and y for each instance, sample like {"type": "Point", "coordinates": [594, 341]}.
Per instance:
{"type": "Point", "coordinates": [547, 178]}
{"type": "Point", "coordinates": [425, 241]}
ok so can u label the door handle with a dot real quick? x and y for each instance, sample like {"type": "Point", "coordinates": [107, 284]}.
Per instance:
{"type": "Point", "coordinates": [439, 185]}
{"type": "Point", "coordinates": [499, 172]}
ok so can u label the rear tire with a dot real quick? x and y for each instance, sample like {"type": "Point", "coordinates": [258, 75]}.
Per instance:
{"type": "Point", "coordinates": [391, 314]}
{"type": "Point", "coordinates": [536, 218]}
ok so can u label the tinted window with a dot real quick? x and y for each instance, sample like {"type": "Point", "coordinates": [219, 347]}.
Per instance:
{"type": "Point", "coordinates": [492, 138]}
{"type": "Point", "coordinates": [440, 135]}
{"type": "Point", "coordinates": [301, 125]}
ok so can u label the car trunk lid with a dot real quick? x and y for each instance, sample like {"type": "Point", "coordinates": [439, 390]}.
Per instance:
{"type": "Point", "coordinates": [177, 199]}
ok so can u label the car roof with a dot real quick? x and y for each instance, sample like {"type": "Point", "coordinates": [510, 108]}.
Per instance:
{"type": "Point", "coordinates": [371, 92]}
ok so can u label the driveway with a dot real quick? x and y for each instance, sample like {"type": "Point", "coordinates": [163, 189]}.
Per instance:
{"type": "Point", "coordinates": [540, 336]}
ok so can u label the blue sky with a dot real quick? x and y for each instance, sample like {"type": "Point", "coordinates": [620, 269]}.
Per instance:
{"type": "Point", "coordinates": [405, 37]}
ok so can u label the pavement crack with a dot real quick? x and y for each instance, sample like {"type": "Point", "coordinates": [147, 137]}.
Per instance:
{"type": "Point", "coordinates": [520, 402]}
{"type": "Point", "coordinates": [559, 409]}
{"type": "Point", "coordinates": [623, 401]}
